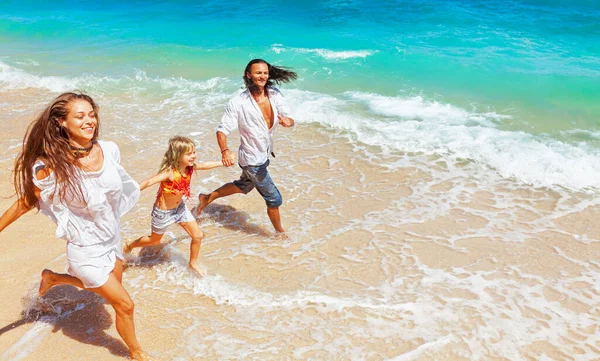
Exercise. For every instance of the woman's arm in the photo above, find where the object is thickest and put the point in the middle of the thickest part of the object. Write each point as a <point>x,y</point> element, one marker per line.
<point>162,176</point>
<point>19,208</point>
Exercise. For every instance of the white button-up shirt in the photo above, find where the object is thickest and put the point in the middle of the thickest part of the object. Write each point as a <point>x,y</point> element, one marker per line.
<point>256,140</point>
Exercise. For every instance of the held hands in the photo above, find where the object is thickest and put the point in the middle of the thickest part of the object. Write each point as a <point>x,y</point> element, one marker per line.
<point>286,122</point>
<point>227,158</point>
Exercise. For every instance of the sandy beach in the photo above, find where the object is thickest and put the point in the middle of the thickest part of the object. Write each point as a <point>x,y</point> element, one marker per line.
<point>391,256</point>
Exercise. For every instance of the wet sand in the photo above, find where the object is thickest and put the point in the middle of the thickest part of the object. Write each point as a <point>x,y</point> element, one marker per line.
<point>390,256</point>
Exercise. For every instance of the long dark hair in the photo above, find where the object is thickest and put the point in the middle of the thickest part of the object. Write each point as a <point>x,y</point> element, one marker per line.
<point>46,140</point>
<point>277,75</point>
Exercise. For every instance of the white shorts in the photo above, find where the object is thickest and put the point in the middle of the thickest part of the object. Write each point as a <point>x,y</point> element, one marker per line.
<point>93,264</point>
<point>163,218</point>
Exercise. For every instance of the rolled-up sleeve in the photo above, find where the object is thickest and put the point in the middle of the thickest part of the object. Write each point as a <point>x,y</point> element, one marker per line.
<point>282,107</point>
<point>229,121</point>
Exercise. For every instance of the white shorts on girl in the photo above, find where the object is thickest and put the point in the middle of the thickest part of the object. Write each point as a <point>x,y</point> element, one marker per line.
<point>163,218</point>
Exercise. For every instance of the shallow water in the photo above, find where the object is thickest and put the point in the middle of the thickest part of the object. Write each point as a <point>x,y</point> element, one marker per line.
<point>440,185</point>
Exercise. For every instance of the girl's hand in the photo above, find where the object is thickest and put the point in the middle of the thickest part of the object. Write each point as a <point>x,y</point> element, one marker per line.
<point>286,122</point>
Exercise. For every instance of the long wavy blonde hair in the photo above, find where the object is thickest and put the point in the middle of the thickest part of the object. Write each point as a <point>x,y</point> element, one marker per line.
<point>178,146</point>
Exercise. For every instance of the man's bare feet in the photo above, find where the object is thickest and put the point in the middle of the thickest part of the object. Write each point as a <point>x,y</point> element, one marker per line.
<point>47,281</point>
<point>280,236</point>
<point>194,266</point>
<point>202,203</point>
<point>141,356</point>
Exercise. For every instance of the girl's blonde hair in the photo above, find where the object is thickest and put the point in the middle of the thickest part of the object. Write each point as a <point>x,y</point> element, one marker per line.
<point>178,146</point>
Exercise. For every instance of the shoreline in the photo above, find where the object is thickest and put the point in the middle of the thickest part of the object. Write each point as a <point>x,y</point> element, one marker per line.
<point>423,256</point>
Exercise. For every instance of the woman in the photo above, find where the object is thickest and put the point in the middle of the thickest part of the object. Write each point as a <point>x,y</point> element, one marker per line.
<point>76,180</point>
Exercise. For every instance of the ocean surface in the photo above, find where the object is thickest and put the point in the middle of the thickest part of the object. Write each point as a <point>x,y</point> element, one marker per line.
<point>512,85</point>
<point>485,110</point>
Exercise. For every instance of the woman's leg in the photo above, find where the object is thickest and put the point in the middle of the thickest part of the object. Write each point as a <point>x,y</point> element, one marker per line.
<point>118,270</point>
<point>194,231</point>
<point>114,293</point>
<point>51,279</point>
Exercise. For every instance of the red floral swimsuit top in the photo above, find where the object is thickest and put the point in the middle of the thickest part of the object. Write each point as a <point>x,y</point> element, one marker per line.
<point>179,185</point>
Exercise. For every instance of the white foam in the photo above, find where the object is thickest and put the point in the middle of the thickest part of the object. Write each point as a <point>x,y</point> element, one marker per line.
<point>13,78</point>
<point>419,351</point>
<point>417,125</point>
<point>326,53</point>
<point>411,124</point>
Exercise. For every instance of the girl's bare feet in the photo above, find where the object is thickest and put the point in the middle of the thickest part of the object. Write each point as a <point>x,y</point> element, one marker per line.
<point>194,266</point>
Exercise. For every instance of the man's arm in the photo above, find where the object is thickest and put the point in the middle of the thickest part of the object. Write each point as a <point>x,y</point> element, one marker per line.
<point>227,157</point>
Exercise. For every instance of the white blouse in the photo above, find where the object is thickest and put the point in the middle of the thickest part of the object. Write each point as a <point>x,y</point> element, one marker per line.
<point>91,228</point>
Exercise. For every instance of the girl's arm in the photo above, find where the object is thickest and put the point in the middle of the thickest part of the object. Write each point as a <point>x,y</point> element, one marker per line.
<point>163,176</point>
<point>207,165</point>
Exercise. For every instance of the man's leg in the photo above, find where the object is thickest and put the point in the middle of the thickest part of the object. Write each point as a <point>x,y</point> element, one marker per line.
<point>267,189</point>
<point>273,213</point>
<point>223,191</point>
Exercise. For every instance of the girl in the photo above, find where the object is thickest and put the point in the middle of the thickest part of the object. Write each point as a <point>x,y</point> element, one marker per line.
<point>77,181</point>
<point>175,175</point>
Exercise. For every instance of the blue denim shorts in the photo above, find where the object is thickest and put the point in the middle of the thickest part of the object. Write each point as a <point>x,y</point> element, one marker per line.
<point>163,218</point>
<point>257,176</point>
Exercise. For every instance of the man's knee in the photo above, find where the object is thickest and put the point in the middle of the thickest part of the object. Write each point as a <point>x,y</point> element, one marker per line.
<point>274,200</point>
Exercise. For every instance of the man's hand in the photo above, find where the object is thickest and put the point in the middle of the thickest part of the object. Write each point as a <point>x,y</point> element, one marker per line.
<point>228,158</point>
<point>286,122</point>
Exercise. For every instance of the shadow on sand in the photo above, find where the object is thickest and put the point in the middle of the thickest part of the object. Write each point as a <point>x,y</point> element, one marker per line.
<point>79,314</point>
<point>231,218</point>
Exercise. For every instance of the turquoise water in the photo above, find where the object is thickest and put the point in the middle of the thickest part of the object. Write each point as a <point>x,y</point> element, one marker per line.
<point>532,65</point>
<point>440,186</point>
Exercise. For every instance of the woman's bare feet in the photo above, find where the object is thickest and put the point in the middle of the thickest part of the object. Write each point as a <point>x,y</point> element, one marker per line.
<point>194,266</point>
<point>202,203</point>
<point>47,281</point>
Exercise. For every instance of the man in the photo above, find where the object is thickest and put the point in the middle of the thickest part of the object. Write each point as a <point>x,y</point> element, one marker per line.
<point>255,112</point>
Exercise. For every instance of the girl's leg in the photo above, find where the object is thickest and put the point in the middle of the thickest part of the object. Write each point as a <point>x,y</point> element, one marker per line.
<point>144,241</point>
<point>50,279</point>
<point>194,231</point>
<point>114,293</point>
